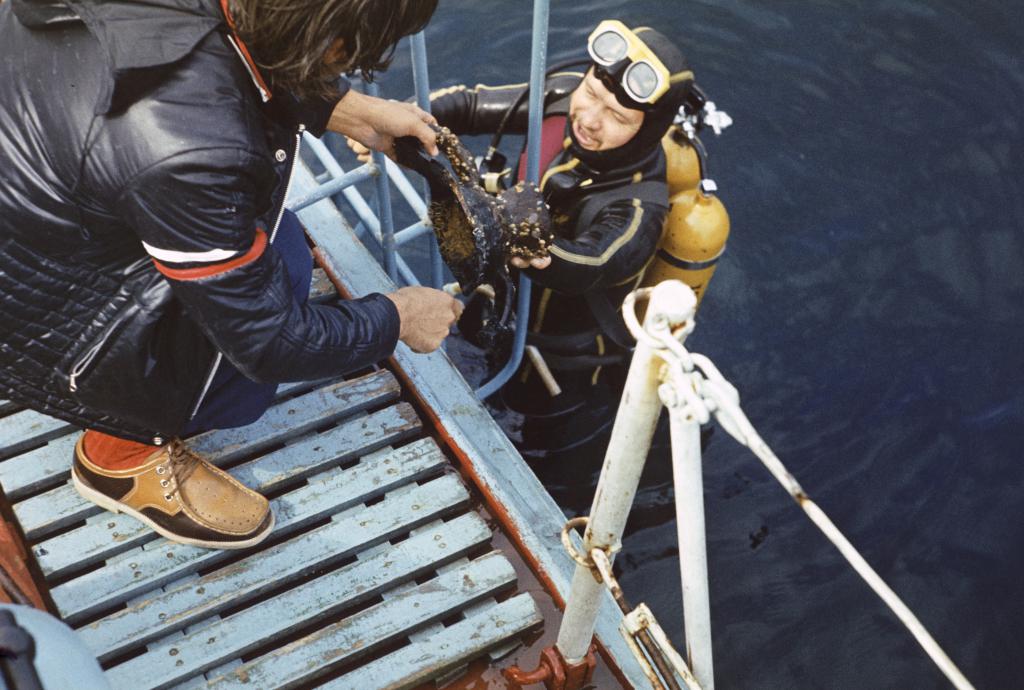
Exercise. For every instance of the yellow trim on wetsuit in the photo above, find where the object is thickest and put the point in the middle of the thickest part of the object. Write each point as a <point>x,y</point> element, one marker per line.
<point>600,351</point>
<point>557,169</point>
<point>612,248</point>
<point>542,308</point>
<point>446,91</point>
<point>485,87</point>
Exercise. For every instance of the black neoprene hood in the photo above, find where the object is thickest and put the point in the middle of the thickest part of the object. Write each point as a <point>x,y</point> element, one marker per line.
<point>656,120</point>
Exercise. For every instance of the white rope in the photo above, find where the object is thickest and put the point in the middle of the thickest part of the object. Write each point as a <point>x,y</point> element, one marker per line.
<point>696,388</point>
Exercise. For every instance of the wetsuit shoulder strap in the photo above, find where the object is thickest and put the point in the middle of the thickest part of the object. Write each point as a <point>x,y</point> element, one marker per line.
<point>609,319</point>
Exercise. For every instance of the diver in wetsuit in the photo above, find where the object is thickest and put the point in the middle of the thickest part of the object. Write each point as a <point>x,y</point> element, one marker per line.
<point>603,177</point>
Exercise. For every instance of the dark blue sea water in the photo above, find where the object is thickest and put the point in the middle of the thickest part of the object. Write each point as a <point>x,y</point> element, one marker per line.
<point>869,309</point>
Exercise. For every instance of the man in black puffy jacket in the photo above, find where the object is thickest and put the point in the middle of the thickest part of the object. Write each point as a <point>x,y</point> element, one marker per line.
<point>151,282</point>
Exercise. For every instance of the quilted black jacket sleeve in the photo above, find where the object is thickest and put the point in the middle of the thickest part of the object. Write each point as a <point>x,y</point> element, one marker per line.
<point>204,201</point>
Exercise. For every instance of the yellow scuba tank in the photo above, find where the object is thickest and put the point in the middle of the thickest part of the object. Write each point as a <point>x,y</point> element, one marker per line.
<point>697,224</point>
<point>682,165</point>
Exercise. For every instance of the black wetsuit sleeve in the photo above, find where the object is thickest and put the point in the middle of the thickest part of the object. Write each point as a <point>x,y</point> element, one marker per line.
<point>480,110</point>
<point>614,249</point>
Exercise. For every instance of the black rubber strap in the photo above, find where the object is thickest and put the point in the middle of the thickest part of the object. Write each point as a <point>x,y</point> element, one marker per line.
<point>583,362</point>
<point>568,344</point>
<point>688,265</point>
<point>609,319</point>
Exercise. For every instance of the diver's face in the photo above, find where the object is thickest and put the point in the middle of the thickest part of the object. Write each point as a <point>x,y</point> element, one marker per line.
<point>599,121</point>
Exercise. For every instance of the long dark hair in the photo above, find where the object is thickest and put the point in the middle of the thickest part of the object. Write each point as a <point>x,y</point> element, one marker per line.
<point>290,38</point>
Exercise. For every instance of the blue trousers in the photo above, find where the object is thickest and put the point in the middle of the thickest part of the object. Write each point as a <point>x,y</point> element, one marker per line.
<point>233,400</point>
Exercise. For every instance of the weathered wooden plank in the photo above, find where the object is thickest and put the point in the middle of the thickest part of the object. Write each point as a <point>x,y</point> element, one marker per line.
<point>52,510</point>
<point>430,658</point>
<point>295,387</point>
<point>38,468</point>
<point>343,588</point>
<point>55,509</point>
<point>301,414</point>
<point>108,534</point>
<point>427,630</point>
<point>348,639</point>
<point>28,428</point>
<point>165,612</point>
<point>50,465</point>
<point>333,492</point>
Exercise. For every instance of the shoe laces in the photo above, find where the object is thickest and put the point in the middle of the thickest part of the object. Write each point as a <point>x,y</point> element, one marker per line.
<point>182,462</point>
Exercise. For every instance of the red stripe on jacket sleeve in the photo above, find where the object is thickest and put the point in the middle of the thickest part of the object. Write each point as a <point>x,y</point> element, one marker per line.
<point>245,51</point>
<point>258,246</point>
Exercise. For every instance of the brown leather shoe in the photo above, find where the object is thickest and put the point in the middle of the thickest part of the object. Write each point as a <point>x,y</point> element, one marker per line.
<point>181,496</point>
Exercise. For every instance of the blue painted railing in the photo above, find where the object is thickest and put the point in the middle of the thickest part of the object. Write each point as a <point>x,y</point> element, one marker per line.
<point>385,173</point>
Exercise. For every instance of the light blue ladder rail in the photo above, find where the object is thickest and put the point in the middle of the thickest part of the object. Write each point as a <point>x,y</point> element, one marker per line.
<point>335,180</point>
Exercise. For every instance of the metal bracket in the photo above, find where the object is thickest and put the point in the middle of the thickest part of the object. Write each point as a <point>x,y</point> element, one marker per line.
<point>583,559</point>
<point>646,638</point>
<point>555,672</point>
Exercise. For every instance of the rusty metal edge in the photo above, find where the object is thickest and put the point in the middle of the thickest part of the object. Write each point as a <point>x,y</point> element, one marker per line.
<point>18,584</point>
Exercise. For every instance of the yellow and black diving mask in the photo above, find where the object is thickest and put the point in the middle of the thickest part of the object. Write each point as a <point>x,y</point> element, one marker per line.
<point>626,65</point>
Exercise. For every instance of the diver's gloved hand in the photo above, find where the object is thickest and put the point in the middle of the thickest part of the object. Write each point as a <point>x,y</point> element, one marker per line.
<point>526,225</point>
<point>538,262</point>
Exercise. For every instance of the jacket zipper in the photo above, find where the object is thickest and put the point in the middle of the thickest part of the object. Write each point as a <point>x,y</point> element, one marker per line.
<point>85,360</point>
<point>288,183</point>
<point>273,234</point>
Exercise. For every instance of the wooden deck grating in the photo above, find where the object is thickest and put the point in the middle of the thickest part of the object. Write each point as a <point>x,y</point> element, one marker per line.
<point>378,574</point>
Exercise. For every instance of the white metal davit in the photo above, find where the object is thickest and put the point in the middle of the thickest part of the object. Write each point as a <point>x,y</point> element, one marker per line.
<point>663,371</point>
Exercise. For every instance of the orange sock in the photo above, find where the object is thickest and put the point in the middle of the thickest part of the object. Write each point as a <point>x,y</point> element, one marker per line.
<point>113,453</point>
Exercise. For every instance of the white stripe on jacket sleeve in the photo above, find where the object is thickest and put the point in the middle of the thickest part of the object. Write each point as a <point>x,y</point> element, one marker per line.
<point>176,257</point>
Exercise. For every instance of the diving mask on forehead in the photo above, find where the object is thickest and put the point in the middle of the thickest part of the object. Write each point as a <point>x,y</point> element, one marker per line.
<point>624,63</point>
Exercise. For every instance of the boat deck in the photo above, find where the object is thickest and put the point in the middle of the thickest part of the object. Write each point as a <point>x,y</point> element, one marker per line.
<point>378,573</point>
<point>381,571</point>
